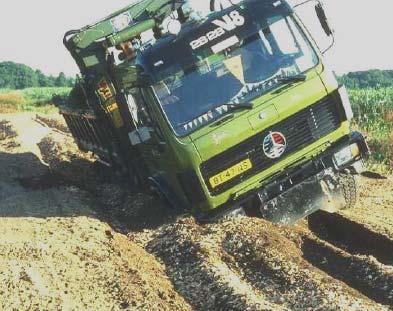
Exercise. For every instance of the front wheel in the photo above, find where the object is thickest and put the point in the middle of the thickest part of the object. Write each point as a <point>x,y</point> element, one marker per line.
<point>348,187</point>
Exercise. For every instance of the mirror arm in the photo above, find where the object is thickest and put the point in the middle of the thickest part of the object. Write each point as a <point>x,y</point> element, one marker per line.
<point>302,3</point>
<point>332,32</point>
<point>331,45</point>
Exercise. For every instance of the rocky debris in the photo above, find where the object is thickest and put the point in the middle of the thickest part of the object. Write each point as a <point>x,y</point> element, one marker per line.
<point>196,268</point>
<point>115,197</point>
<point>7,135</point>
<point>56,123</point>
<point>246,256</point>
<point>6,131</point>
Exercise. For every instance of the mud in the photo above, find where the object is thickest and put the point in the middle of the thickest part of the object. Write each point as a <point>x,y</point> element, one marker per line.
<point>75,237</point>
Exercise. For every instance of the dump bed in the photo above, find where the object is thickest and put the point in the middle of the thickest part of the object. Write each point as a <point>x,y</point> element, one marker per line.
<point>90,132</point>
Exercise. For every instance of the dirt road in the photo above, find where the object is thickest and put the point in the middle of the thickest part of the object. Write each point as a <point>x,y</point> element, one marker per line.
<point>72,239</point>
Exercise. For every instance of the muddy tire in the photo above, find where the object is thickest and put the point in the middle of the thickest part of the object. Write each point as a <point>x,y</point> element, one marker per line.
<point>158,194</point>
<point>347,184</point>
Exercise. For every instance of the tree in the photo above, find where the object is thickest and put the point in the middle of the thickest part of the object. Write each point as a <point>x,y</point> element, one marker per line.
<point>368,79</point>
<point>43,80</point>
<point>19,76</point>
<point>61,80</point>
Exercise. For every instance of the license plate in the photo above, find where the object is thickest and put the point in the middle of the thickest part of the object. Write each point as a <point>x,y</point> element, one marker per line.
<point>230,173</point>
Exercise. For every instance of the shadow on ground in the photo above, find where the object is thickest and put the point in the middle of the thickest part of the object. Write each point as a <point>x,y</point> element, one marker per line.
<point>78,187</point>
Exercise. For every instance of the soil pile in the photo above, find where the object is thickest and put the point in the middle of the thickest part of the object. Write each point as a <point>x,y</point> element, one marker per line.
<point>72,237</point>
<point>56,253</point>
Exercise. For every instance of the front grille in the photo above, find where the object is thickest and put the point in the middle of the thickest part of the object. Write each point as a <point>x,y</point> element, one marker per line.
<point>301,129</point>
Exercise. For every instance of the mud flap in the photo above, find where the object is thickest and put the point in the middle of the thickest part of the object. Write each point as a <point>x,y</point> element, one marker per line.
<point>302,200</point>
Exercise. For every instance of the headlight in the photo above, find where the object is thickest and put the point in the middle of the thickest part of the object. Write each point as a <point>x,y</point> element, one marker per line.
<point>346,155</point>
<point>121,21</point>
<point>345,101</point>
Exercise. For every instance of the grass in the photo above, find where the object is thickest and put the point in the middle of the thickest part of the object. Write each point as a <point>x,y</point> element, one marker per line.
<point>11,102</point>
<point>4,91</point>
<point>373,110</point>
<point>31,99</point>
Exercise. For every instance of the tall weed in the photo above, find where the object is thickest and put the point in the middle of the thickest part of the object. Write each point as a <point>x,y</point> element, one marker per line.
<point>31,99</point>
<point>11,102</point>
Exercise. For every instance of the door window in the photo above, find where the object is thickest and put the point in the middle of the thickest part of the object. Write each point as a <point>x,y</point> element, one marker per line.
<point>141,114</point>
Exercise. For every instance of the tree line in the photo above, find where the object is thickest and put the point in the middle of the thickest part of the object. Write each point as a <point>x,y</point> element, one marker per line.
<point>368,79</point>
<point>19,76</point>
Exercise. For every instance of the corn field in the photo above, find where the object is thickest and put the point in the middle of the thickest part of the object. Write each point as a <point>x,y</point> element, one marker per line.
<point>373,109</point>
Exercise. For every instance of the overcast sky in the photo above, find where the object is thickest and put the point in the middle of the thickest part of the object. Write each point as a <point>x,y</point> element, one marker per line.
<point>31,32</point>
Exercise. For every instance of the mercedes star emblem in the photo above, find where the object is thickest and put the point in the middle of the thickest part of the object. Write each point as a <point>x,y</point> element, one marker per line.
<point>274,145</point>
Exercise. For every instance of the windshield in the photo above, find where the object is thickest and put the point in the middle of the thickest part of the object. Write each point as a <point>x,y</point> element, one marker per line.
<point>202,85</point>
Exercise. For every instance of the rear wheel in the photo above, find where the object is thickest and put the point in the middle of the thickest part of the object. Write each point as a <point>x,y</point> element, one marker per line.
<point>158,193</point>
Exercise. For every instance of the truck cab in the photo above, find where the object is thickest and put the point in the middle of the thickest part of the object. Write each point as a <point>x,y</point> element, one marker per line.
<point>232,111</point>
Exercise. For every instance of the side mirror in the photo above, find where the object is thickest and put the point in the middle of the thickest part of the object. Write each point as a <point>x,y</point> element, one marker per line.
<point>313,17</point>
<point>323,19</point>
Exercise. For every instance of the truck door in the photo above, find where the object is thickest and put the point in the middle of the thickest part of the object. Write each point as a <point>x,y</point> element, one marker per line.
<point>148,137</point>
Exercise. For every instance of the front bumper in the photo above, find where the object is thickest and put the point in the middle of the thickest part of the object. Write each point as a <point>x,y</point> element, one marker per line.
<point>296,193</point>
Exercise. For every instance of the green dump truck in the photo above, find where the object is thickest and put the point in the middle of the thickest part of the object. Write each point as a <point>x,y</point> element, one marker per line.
<point>221,107</point>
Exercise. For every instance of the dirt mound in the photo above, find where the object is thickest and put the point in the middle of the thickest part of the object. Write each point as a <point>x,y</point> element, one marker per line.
<point>75,237</point>
<point>78,264</point>
<point>56,253</point>
<point>251,264</point>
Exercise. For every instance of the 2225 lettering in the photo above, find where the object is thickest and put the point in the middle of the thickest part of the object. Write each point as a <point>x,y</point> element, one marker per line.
<point>228,23</point>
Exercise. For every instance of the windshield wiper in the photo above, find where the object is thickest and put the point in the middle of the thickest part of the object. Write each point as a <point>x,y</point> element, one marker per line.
<point>236,106</point>
<point>230,107</point>
<point>293,79</point>
<point>267,85</point>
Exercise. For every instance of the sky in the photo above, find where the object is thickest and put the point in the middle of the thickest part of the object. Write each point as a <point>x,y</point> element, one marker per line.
<point>32,31</point>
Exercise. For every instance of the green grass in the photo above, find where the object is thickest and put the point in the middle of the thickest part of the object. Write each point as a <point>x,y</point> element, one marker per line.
<point>4,91</point>
<point>31,99</point>
<point>373,110</point>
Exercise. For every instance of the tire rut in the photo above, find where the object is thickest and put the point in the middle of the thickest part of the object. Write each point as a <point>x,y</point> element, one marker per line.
<point>364,274</point>
<point>274,262</point>
<point>351,236</point>
<point>251,264</point>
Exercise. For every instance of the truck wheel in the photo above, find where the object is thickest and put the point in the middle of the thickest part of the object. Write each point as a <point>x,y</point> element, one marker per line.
<point>155,190</point>
<point>347,184</point>
<point>252,208</point>
<point>136,181</point>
